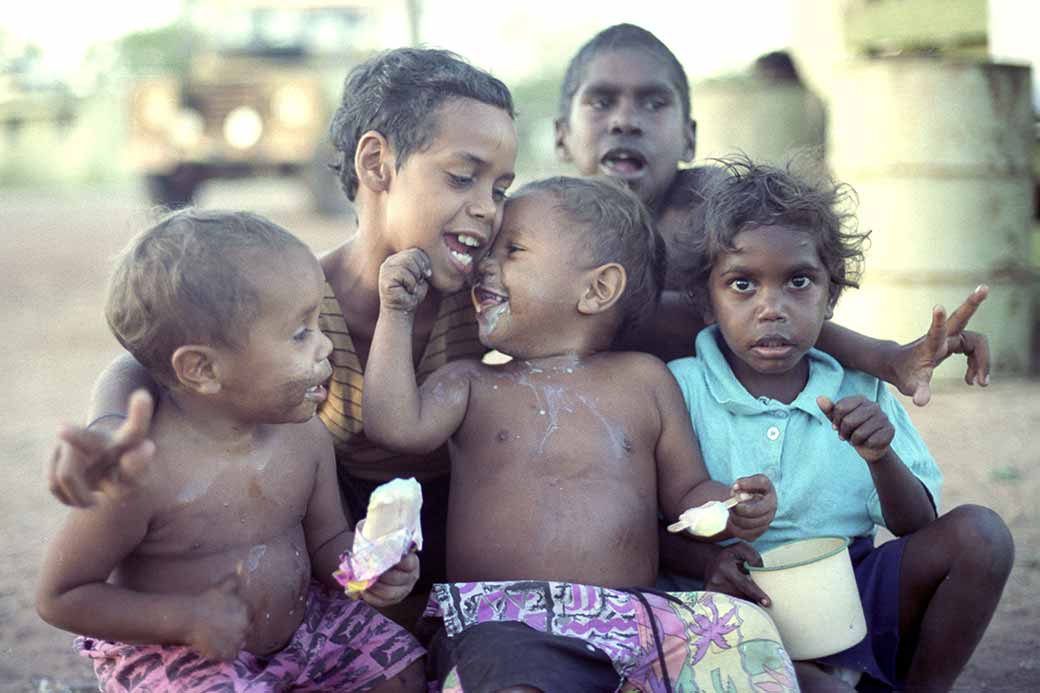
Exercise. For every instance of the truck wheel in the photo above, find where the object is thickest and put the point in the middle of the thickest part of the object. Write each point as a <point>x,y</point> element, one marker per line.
<point>173,190</point>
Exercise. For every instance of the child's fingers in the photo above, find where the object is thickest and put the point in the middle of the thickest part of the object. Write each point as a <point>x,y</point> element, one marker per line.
<point>923,391</point>
<point>958,320</point>
<point>935,339</point>
<point>853,419</point>
<point>870,428</point>
<point>755,484</point>
<point>134,462</point>
<point>825,404</point>
<point>138,419</point>
<point>976,346</point>
<point>55,487</point>
<point>69,471</point>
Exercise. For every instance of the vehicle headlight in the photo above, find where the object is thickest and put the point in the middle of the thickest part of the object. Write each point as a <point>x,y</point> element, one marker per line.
<point>243,127</point>
<point>156,106</point>
<point>292,106</point>
<point>187,129</point>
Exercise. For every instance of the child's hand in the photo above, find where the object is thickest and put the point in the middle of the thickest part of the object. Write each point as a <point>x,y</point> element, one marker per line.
<point>404,280</point>
<point>862,423</point>
<point>726,573</point>
<point>91,461</point>
<point>913,366</point>
<point>219,631</point>
<point>395,584</point>
<point>749,519</point>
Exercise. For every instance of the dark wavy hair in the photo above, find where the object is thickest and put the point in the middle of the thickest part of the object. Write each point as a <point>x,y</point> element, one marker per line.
<point>744,195</point>
<point>617,37</point>
<point>616,227</point>
<point>397,93</point>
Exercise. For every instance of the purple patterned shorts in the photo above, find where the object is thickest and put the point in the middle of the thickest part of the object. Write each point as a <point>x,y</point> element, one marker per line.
<point>342,644</point>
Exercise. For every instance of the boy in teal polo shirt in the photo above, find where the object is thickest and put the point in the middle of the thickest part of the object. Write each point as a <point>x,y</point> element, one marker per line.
<point>840,449</point>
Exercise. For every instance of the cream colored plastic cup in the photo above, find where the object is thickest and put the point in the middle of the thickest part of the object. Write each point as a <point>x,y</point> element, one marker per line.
<point>816,605</point>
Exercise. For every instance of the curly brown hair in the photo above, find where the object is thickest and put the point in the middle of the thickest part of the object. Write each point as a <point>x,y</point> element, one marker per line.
<point>744,195</point>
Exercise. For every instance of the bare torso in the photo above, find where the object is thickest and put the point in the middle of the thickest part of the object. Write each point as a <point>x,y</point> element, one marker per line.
<point>553,474</point>
<point>215,515</point>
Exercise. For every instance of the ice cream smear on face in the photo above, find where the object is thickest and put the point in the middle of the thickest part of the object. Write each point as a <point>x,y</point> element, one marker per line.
<point>390,529</point>
<point>708,519</point>
<point>490,307</point>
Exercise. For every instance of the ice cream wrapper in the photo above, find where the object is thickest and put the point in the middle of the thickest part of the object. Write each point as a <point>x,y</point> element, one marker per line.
<point>390,529</point>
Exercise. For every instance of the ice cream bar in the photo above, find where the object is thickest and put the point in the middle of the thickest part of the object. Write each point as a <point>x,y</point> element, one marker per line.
<point>392,506</point>
<point>708,519</point>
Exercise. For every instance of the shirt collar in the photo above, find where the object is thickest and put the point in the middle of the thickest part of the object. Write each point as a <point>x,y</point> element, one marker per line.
<point>825,377</point>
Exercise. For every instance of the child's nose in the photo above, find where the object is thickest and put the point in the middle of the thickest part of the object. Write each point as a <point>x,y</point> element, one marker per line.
<point>482,206</point>
<point>771,306</point>
<point>625,119</point>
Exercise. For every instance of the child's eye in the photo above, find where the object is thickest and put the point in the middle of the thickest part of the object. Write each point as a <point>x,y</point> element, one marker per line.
<point>302,334</point>
<point>655,104</point>
<point>498,194</point>
<point>599,103</point>
<point>460,180</point>
<point>512,248</point>
<point>742,285</point>
<point>801,282</point>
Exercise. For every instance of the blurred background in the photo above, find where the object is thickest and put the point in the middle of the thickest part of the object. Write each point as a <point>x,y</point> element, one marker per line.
<point>927,107</point>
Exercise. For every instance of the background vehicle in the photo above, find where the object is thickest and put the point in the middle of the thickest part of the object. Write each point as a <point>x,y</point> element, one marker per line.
<point>263,80</point>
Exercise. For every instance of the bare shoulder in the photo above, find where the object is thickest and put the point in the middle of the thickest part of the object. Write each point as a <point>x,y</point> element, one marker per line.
<point>638,366</point>
<point>309,440</point>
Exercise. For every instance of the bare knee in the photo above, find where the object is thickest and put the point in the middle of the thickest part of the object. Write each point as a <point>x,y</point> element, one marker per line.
<point>982,538</point>
<point>411,680</point>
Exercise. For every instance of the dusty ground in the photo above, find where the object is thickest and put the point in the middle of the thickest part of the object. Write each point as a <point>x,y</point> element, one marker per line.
<point>54,264</point>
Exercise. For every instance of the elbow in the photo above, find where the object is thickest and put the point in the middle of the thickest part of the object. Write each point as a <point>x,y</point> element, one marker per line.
<point>398,440</point>
<point>48,607</point>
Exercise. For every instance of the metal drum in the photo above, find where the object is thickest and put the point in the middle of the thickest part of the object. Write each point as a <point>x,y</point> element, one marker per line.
<point>763,119</point>
<point>939,153</point>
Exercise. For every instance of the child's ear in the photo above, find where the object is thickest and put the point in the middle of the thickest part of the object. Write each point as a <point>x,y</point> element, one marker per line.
<point>605,286</point>
<point>197,368</point>
<point>373,161</point>
<point>691,140</point>
<point>562,153</point>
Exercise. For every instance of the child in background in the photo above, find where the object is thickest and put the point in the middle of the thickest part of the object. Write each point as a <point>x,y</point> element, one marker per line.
<point>428,150</point>
<point>200,576</point>
<point>560,461</point>
<point>625,112</point>
<point>775,253</point>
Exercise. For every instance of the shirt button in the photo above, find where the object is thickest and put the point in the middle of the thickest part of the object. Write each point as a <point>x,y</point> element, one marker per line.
<point>773,433</point>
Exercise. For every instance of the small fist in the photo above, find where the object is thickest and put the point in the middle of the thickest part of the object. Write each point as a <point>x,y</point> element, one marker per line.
<point>749,519</point>
<point>861,422</point>
<point>404,280</point>
<point>223,621</point>
<point>395,584</point>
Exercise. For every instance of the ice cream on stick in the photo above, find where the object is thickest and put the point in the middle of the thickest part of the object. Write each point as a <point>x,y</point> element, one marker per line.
<point>708,519</point>
<point>392,506</point>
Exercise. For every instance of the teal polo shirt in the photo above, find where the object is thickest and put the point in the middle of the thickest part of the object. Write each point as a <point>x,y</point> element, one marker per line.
<point>823,486</point>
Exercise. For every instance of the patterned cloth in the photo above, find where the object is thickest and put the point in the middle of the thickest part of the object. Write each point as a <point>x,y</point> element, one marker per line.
<point>342,644</point>
<point>453,337</point>
<point>707,641</point>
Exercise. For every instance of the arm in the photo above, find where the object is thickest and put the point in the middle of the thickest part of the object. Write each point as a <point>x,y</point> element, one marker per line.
<point>683,479</point>
<point>721,567</point>
<point>114,386</point>
<point>397,413</point>
<point>329,535</point>
<point>74,594</point>
<point>905,503</point>
<point>909,367</point>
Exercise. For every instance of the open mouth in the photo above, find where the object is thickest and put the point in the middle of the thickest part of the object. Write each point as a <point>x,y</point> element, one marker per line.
<point>485,299</point>
<point>463,248</point>
<point>316,393</point>
<point>772,346</point>
<point>624,162</point>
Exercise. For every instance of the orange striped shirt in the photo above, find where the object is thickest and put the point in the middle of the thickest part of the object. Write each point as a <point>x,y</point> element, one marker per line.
<point>453,337</point>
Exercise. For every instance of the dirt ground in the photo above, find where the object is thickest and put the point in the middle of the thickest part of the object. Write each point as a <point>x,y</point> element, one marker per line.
<point>55,262</point>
